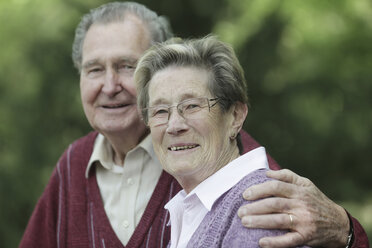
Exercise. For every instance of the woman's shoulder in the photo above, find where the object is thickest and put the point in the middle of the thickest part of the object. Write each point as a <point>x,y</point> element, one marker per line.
<point>253,178</point>
<point>236,234</point>
<point>222,224</point>
<point>233,199</point>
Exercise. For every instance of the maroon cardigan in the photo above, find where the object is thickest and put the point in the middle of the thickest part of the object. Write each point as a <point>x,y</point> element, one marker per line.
<point>70,212</point>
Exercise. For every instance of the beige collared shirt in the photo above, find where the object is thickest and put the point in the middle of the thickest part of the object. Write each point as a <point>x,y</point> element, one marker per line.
<point>125,190</point>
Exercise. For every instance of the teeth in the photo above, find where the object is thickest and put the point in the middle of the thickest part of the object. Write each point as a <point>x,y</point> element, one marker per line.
<point>116,106</point>
<point>177,148</point>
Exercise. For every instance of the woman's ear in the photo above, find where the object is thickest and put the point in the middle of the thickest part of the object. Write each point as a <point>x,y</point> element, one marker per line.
<point>240,112</point>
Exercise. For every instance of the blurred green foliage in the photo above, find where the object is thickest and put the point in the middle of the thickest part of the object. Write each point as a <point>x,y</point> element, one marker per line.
<point>308,65</point>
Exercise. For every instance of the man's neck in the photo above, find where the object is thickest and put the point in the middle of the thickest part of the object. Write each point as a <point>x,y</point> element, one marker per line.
<point>122,144</point>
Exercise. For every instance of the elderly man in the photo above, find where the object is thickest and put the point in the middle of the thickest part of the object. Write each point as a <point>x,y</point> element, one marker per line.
<point>108,188</point>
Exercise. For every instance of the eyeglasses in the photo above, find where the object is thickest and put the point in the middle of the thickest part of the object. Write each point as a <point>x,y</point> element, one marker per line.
<point>188,109</point>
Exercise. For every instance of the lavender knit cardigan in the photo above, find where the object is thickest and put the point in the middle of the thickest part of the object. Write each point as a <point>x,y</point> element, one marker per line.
<point>221,227</point>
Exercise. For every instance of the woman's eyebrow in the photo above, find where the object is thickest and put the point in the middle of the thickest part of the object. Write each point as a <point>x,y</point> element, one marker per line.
<point>164,101</point>
<point>160,101</point>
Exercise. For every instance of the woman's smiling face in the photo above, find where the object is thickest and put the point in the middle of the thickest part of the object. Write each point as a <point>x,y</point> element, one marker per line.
<point>189,149</point>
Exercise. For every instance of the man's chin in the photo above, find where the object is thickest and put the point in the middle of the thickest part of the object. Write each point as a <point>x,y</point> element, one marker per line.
<point>122,129</point>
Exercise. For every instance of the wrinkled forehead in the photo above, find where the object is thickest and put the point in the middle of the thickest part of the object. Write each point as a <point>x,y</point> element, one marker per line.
<point>129,37</point>
<point>177,83</point>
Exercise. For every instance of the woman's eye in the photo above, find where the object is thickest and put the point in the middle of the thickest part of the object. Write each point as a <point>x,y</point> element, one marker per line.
<point>161,111</point>
<point>192,106</point>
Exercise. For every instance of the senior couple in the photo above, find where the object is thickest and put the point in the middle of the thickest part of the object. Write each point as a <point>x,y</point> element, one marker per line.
<point>108,188</point>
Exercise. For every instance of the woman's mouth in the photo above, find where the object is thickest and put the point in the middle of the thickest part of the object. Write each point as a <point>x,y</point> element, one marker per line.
<point>181,148</point>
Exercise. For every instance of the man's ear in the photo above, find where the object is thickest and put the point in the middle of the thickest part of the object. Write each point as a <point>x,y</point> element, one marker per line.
<point>240,112</point>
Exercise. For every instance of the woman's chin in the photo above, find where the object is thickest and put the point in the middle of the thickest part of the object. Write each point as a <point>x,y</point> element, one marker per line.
<point>183,170</point>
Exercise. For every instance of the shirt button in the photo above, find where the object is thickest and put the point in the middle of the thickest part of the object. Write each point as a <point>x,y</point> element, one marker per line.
<point>125,223</point>
<point>130,181</point>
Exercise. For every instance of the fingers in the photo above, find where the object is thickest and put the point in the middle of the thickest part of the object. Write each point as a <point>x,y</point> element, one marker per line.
<point>267,206</point>
<point>291,239</point>
<point>269,188</point>
<point>314,217</point>
<point>294,203</point>
<point>285,185</point>
<point>273,221</point>
<point>288,176</point>
<point>276,221</point>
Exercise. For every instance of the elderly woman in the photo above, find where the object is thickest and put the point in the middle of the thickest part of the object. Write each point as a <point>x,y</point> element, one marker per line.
<point>193,98</point>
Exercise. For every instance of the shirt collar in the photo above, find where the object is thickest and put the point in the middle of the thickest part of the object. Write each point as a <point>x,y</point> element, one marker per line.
<point>103,153</point>
<point>211,188</point>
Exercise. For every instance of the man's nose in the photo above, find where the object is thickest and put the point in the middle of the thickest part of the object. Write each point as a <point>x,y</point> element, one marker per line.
<point>112,83</point>
<point>176,123</point>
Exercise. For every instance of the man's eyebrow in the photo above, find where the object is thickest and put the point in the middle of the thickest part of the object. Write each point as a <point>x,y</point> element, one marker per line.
<point>126,59</point>
<point>90,63</point>
<point>123,59</point>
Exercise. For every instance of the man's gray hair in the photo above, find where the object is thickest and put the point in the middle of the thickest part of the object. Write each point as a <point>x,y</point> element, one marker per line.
<point>227,80</point>
<point>158,26</point>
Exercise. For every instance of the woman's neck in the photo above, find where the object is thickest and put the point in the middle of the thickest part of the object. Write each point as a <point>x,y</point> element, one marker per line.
<point>189,182</point>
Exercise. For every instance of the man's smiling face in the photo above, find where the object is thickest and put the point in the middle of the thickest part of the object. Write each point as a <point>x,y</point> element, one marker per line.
<point>110,55</point>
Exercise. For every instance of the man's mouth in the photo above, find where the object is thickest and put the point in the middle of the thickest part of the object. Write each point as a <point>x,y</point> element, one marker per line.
<point>114,106</point>
<point>180,148</point>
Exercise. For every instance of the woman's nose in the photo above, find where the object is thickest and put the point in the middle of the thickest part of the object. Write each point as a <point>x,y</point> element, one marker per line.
<point>176,123</point>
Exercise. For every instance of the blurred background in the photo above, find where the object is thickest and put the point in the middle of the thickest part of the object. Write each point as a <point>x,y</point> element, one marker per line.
<point>309,70</point>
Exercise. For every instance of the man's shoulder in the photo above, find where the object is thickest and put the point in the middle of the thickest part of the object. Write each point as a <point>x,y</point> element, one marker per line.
<point>249,144</point>
<point>78,152</point>
<point>88,139</point>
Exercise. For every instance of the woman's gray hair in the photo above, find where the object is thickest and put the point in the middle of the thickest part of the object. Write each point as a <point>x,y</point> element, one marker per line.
<point>158,26</point>
<point>227,77</point>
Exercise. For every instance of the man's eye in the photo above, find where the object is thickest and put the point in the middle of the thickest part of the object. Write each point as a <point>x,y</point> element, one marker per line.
<point>94,70</point>
<point>126,67</point>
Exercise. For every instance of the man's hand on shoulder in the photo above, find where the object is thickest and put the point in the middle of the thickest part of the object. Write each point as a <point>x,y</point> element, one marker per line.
<point>294,203</point>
